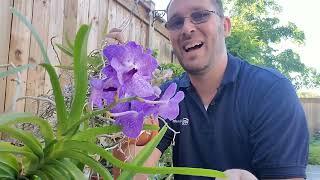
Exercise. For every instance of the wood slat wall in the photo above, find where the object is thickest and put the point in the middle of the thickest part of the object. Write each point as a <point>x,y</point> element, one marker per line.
<point>312,109</point>
<point>59,19</point>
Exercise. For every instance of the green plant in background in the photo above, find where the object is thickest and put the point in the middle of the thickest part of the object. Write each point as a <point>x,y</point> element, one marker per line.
<point>62,153</point>
<point>314,154</point>
<point>258,35</point>
<point>176,68</point>
<point>314,150</point>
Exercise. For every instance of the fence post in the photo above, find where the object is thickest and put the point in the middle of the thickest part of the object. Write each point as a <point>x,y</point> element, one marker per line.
<point>150,26</point>
<point>6,16</point>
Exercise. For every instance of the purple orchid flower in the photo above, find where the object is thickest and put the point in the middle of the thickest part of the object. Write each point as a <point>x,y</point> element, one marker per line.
<point>101,90</point>
<point>133,67</point>
<point>169,107</point>
<point>128,74</point>
<point>131,124</point>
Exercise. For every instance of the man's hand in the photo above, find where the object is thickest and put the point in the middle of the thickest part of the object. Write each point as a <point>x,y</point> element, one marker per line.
<point>238,174</point>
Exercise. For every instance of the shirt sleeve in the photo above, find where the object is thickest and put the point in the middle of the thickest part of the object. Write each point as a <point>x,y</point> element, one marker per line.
<point>279,135</point>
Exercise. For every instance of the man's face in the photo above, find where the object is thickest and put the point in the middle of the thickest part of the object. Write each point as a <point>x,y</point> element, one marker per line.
<point>197,45</point>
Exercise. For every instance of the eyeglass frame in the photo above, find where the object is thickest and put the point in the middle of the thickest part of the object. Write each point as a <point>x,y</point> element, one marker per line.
<point>191,19</point>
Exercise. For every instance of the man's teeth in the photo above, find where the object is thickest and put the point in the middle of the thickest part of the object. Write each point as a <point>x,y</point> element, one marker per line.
<point>191,46</point>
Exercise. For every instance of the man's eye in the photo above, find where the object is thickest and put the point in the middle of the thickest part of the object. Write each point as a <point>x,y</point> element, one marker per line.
<point>177,22</point>
<point>199,15</point>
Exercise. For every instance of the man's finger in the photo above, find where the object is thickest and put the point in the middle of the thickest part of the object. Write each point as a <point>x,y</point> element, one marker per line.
<point>115,34</point>
<point>238,174</point>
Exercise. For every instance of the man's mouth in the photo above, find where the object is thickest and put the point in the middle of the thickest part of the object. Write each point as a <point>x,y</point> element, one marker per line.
<point>193,46</point>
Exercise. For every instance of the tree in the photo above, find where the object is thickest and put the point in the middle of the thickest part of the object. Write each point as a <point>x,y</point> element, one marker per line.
<point>256,34</point>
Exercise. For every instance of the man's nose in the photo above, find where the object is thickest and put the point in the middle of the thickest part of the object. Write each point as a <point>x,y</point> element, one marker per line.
<point>188,27</point>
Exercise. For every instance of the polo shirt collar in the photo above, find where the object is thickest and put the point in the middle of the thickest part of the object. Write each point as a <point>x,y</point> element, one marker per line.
<point>230,74</point>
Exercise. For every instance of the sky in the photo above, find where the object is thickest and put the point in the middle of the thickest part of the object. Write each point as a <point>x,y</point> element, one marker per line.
<point>306,15</point>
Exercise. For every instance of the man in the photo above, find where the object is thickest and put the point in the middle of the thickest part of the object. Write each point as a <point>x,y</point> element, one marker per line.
<point>236,117</point>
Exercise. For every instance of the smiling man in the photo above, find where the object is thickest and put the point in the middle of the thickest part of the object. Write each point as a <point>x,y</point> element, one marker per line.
<point>236,117</point>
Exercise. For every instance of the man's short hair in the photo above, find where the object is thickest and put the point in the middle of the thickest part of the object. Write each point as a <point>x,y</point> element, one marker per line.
<point>217,3</point>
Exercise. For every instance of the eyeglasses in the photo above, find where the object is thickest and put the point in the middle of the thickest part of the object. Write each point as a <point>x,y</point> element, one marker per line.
<point>196,17</point>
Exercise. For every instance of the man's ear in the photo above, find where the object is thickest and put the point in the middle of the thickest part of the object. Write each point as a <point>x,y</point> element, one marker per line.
<point>227,26</point>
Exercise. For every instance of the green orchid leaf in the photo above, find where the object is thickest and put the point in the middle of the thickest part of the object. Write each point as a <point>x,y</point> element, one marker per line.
<point>59,100</point>
<point>27,138</point>
<point>41,175</point>
<point>5,173</point>
<point>69,68</point>
<point>59,163</point>
<point>11,161</point>
<point>14,118</point>
<point>75,172</point>
<point>49,148</point>
<point>65,50</point>
<point>15,70</point>
<point>69,42</point>
<point>6,147</point>
<point>50,175</point>
<point>91,133</point>
<point>94,149</point>
<point>8,170</point>
<point>61,169</point>
<point>144,154</point>
<point>52,172</point>
<point>80,74</point>
<point>151,127</point>
<point>24,20</point>
<point>84,158</point>
<point>2,176</point>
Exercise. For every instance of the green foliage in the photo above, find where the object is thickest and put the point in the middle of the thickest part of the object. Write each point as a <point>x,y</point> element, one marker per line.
<point>314,150</point>
<point>155,53</point>
<point>257,33</point>
<point>165,160</point>
<point>176,69</point>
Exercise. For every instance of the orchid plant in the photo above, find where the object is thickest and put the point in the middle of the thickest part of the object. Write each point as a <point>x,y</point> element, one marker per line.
<point>123,91</point>
<point>127,75</point>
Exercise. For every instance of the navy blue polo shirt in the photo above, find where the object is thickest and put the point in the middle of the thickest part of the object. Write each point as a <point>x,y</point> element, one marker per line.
<point>255,122</point>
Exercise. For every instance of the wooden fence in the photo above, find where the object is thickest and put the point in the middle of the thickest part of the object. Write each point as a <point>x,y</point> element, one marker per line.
<point>59,19</point>
<point>312,109</point>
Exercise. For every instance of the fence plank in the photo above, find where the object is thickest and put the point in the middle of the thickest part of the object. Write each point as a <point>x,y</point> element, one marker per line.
<point>6,16</point>
<point>18,54</point>
<point>55,31</point>
<point>94,21</point>
<point>36,76</point>
<point>112,14</point>
<point>103,27</point>
<point>83,12</point>
<point>69,31</point>
<point>311,108</point>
